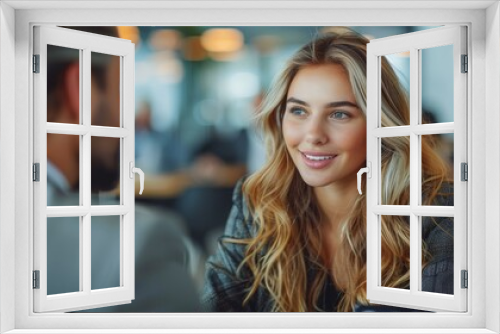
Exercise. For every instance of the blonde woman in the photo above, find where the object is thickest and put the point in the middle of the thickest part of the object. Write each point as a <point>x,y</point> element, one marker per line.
<point>296,237</point>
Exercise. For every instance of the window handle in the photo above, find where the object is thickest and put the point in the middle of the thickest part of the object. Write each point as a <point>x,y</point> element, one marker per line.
<point>134,170</point>
<point>368,171</point>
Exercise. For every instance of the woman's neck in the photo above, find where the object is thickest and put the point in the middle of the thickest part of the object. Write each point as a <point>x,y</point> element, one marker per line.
<point>335,201</point>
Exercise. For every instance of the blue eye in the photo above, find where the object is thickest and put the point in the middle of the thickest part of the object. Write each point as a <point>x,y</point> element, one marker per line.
<point>297,111</point>
<point>340,115</point>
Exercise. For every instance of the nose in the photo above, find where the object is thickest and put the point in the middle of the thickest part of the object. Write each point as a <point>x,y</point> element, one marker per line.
<point>316,132</point>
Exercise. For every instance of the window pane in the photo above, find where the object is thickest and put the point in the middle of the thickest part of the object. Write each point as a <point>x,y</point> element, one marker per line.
<point>437,254</point>
<point>105,90</point>
<point>395,251</point>
<point>63,255</point>
<point>437,169</point>
<point>105,252</point>
<point>63,170</point>
<point>437,84</point>
<point>105,170</point>
<point>395,170</point>
<point>400,63</point>
<point>63,85</point>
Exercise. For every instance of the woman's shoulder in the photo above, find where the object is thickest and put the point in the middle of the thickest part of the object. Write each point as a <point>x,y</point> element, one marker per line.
<point>445,195</point>
<point>240,222</point>
<point>438,232</point>
<point>438,236</point>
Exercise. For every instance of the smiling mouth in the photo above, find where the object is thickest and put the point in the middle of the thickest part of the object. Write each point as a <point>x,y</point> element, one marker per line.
<point>318,161</point>
<point>319,158</point>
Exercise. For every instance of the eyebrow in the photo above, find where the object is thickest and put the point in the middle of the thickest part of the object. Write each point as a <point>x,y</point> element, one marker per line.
<point>330,105</point>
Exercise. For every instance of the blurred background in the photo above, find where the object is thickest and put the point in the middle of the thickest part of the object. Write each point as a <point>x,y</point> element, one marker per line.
<point>196,91</point>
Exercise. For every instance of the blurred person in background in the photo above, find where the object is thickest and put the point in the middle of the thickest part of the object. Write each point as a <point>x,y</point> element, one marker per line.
<point>166,261</point>
<point>164,157</point>
<point>197,182</point>
<point>296,237</point>
<point>216,166</point>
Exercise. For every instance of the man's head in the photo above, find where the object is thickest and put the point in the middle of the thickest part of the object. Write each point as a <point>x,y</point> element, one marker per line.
<point>63,106</point>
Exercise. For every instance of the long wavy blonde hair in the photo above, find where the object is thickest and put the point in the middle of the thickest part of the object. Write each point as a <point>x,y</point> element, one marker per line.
<point>285,211</point>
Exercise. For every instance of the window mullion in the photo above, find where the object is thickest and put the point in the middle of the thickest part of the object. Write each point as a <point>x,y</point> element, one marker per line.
<point>433,128</point>
<point>406,210</point>
<point>422,129</point>
<point>67,129</point>
<point>85,165</point>
<point>414,168</point>
<point>127,251</point>
<point>108,210</point>
<point>82,232</point>
<point>102,131</point>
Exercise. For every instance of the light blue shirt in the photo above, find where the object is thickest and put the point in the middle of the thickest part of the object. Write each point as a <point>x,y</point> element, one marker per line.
<point>58,187</point>
<point>63,241</point>
<point>164,254</point>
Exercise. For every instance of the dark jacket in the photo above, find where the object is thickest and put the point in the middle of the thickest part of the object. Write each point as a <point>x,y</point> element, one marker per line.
<point>225,291</point>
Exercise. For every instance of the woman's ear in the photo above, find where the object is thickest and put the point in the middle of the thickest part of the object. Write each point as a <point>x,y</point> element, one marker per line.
<point>71,87</point>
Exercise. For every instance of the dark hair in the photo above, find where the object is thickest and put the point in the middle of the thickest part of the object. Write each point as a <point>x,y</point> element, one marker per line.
<point>58,60</point>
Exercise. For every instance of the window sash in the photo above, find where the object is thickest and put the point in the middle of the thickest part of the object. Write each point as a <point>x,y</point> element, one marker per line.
<point>86,297</point>
<point>414,298</point>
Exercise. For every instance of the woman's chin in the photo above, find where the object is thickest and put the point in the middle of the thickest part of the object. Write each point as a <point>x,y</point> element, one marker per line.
<point>317,182</point>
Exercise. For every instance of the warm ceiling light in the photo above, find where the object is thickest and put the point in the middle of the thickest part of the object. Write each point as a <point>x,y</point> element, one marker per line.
<point>165,39</point>
<point>220,40</point>
<point>130,33</point>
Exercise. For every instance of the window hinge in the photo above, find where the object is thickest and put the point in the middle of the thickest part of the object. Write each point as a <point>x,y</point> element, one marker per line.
<point>36,172</point>
<point>36,63</point>
<point>36,279</point>
<point>465,279</point>
<point>465,171</point>
<point>465,64</point>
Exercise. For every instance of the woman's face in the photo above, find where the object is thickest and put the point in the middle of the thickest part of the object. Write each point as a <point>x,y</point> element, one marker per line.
<point>323,129</point>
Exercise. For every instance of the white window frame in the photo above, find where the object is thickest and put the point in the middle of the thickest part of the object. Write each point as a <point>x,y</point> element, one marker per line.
<point>16,21</point>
